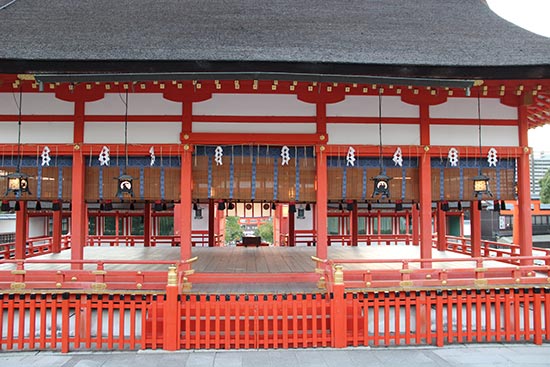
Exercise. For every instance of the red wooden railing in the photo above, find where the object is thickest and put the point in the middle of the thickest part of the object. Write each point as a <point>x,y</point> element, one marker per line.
<point>442,272</point>
<point>36,246</point>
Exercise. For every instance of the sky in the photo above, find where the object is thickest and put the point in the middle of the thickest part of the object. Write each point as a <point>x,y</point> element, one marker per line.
<point>532,15</point>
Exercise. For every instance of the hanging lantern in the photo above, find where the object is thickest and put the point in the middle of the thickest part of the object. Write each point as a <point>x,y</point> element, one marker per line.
<point>125,186</point>
<point>481,186</point>
<point>301,213</point>
<point>18,183</point>
<point>381,186</point>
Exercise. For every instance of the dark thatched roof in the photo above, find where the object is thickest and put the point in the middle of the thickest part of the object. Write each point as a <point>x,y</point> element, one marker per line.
<point>411,38</point>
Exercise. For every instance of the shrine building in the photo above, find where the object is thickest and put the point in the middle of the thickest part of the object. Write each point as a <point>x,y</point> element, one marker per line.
<point>346,143</point>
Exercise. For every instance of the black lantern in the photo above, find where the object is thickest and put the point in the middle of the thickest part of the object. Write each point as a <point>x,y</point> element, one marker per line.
<point>381,186</point>
<point>125,186</point>
<point>301,213</point>
<point>198,212</point>
<point>308,207</point>
<point>481,186</point>
<point>18,183</point>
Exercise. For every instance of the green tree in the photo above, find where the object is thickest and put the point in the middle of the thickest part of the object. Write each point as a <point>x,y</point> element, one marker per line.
<point>545,188</point>
<point>265,231</point>
<point>233,230</point>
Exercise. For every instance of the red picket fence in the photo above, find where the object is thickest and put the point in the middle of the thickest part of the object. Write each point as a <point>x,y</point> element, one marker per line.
<point>255,321</point>
<point>76,321</point>
<point>448,317</point>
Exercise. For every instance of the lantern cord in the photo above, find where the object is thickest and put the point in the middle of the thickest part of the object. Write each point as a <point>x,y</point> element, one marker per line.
<point>126,132</point>
<point>380,127</point>
<point>479,127</point>
<point>19,158</point>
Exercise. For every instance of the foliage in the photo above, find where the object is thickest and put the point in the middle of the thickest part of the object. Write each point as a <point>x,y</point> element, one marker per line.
<point>545,188</point>
<point>233,231</point>
<point>265,230</point>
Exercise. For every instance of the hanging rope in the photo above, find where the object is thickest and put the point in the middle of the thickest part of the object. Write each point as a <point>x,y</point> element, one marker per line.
<point>380,127</point>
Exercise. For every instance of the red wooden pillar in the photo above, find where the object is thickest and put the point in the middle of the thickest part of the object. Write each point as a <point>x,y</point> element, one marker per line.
<point>21,231</point>
<point>291,229</point>
<point>475,234</point>
<point>524,191</point>
<point>415,216</point>
<point>57,219</point>
<point>78,211</point>
<point>441,230</point>
<point>186,202</point>
<point>515,224</point>
<point>353,224</point>
<point>322,204</point>
<point>425,172</point>
<point>211,219</point>
<point>147,224</point>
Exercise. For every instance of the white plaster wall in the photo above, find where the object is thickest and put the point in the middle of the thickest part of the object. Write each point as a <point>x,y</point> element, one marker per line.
<point>7,225</point>
<point>490,108</point>
<point>468,135</point>
<point>200,224</point>
<point>254,105</point>
<point>304,224</point>
<point>138,104</point>
<point>367,134</point>
<point>37,132</point>
<point>253,127</point>
<point>35,104</point>
<point>37,226</point>
<point>138,132</point>
<point>367,106</point>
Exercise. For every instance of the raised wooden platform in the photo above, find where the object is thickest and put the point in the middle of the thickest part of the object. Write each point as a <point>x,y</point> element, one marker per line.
<point>263,269</point>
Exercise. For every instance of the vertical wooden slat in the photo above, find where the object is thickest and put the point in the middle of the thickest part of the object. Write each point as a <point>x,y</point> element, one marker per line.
<point>21,324</point>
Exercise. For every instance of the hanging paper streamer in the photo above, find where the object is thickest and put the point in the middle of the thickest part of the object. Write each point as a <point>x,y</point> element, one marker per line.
<point>453,157</point>
<point>398,157</point>
<point>218,154</point>
<point>152,152</point>
<point>46,156</point>
<point>285,155</point>
<point>492,157</point>
<point>351,157</point>
<point>104,157</point>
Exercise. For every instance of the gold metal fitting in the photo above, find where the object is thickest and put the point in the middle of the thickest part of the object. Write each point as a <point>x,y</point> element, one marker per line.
<point>338,274</point>
<point>426,148</point>
<point>172,276</point>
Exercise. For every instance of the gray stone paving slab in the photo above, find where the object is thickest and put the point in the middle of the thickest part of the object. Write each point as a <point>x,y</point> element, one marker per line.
<point>456,355</point>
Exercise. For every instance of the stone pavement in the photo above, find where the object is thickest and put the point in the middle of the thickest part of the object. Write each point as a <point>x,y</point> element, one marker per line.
<point>472,355</point>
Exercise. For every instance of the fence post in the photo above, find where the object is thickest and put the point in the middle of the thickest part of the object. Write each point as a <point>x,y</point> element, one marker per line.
<point>171,322</point>
<point>339,309</point>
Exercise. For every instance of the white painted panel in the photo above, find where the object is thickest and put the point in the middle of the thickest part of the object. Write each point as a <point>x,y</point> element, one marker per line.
<point>7,224</point>
<point>37,132</point>
<point>35,104</point>
<point>505,136</point>
<point>367,106</point>
<point>36,227</point>
<point>469,135</point>
<point>138,132</point>
<point>392,134</point>
<point>200,224</point>
<point>466,108</point>
<point>138,104</point>
<point>254,105</point>
<point>154,132</point>
<point>47,132</point>
<point>255,128</point>
<point>454,135</point>
<point>305,224</point>
<point>104,132</point>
